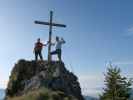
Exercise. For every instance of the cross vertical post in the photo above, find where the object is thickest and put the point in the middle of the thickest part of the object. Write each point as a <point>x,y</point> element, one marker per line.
<point>50,36</point>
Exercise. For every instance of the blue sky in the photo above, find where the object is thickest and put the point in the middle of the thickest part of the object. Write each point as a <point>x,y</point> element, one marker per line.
<point>98,31</point>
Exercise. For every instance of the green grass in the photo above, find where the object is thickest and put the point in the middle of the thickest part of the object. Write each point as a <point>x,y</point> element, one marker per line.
<point>43,94</point>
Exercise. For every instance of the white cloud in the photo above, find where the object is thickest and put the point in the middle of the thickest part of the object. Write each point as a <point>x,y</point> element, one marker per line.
<point>3,83</point>
<point>91,84</point>
<point>129,31</point>
<point>3,79</point>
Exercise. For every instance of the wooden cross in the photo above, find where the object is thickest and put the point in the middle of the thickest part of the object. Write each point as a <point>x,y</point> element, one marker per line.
<point>50,24</point>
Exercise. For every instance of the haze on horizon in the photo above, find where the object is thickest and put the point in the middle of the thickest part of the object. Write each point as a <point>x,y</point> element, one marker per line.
<point>98,31</point>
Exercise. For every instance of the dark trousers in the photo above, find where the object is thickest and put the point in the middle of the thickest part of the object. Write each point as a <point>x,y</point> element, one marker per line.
<point>38,53</point>
<point>58,52</point>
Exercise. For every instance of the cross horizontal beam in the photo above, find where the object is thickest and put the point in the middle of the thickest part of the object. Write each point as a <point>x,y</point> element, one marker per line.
<point>47,23</point>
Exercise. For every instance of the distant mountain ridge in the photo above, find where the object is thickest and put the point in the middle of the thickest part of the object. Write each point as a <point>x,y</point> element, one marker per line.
<point>2,94</point>
<point>90,98</point>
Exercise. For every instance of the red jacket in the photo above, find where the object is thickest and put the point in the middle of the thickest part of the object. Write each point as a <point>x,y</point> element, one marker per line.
<point>38,46</point>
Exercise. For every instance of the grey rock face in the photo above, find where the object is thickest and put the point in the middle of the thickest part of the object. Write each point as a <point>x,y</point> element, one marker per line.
<point>30,75</point>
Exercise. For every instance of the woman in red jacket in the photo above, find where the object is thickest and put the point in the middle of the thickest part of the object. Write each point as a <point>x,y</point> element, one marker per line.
<point>38,49</point>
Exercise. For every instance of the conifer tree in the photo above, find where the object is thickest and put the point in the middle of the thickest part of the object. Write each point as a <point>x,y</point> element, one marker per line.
<point>117,87</point>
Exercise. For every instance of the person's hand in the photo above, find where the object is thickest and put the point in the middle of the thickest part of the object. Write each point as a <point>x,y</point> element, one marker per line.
<point>48,42</point>
<point>62,39</point>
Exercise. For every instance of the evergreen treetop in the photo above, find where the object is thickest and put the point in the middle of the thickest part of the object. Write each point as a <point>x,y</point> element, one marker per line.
<point>117,87</point>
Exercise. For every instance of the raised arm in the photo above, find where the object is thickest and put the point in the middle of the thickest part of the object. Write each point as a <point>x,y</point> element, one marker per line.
<point>63,41</point>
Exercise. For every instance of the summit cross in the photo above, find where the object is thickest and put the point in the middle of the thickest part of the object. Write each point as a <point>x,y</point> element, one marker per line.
<point>50,24</point>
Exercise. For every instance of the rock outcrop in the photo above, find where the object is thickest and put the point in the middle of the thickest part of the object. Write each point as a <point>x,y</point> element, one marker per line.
<point>42,81</point>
